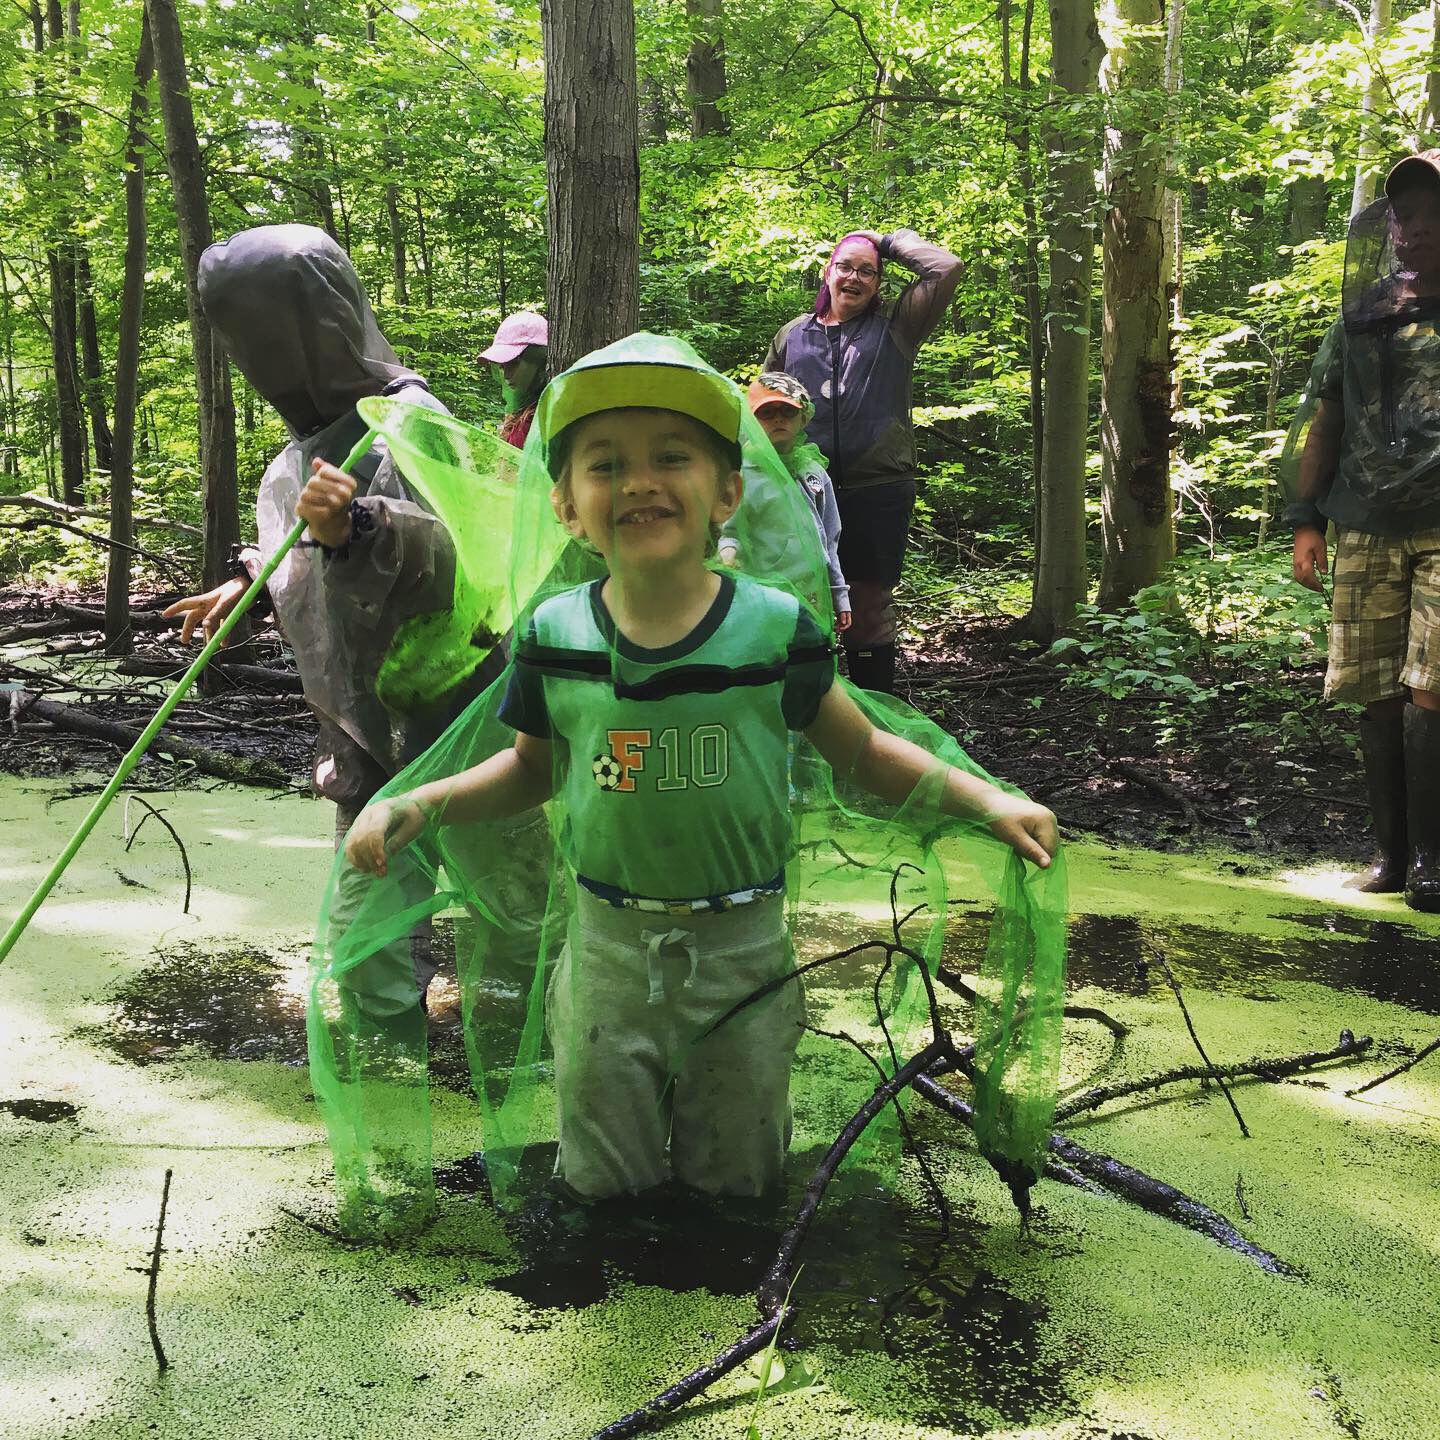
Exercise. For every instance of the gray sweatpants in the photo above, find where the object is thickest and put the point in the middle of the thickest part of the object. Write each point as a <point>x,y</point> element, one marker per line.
<point>630,996</point>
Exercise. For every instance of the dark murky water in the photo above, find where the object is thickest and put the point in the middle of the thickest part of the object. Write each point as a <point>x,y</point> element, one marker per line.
<point>47,1112</point>
<point>876,1276</point>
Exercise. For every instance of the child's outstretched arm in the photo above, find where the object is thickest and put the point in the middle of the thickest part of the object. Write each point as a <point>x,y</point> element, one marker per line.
<point>508,783</point>
<point>891,767</point>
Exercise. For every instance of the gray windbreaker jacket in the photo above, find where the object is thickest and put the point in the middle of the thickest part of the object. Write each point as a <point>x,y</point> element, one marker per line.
<point>293,316</point>
<point>860,373</point>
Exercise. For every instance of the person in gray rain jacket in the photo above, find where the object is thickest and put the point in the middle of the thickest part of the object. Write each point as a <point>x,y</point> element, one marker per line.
<point>292,314</point>
<point>856,357</point>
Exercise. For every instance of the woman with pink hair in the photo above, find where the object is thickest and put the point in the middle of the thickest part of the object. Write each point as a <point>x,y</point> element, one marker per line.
<point>855,354</point>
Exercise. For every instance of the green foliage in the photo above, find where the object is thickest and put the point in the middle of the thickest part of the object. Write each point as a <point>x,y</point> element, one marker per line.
<point>1215,644</point>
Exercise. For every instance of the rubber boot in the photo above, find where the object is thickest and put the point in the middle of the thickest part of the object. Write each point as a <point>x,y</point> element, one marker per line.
<point>1382,744</point>
<point>1422,773</point>
<point>873,668</point>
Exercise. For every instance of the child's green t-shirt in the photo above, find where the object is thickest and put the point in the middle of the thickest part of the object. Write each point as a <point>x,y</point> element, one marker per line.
<point>675,761</point>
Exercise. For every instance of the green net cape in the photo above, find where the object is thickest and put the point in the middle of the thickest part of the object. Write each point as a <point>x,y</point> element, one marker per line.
<point>851,863</point>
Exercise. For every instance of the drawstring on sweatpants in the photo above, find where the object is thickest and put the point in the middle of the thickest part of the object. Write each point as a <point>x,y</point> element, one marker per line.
<point>655,943</point>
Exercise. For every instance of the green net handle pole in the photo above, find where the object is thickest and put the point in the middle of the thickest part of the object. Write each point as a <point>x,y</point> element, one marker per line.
<point>147,736</point>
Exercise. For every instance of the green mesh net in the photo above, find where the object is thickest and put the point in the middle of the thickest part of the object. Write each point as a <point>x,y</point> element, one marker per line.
<point>667,816</point>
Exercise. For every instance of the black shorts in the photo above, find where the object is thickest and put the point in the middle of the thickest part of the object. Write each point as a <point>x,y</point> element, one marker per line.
<point>874,525</point>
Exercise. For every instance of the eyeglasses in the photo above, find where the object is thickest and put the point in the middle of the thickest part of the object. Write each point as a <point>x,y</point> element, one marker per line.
<point>844,267</point>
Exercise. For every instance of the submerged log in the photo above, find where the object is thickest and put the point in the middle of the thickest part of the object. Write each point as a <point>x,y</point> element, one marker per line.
<point>236,768</point>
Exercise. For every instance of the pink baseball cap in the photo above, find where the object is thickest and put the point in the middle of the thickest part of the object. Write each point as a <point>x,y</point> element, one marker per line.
<point>517,332</point>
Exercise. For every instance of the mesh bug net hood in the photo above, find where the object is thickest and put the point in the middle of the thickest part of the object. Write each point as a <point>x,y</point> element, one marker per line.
<point>294,317</point>
<point>688,814</point>
<point>1379,358</point>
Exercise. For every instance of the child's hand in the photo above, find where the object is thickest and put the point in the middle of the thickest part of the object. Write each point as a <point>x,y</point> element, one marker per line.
<point>324,504</point>
<point>380,830</point>
<point>1027,828</point>
<point>208,611</point>
<point>842,622</point>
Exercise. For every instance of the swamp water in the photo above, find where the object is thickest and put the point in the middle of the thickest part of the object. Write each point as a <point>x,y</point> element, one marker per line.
<point>133,1039</point>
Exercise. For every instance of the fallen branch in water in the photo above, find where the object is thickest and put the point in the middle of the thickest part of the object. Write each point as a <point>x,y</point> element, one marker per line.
<point>1410,1064</point>
<point>1190,1026</point>
<point>1091,1170</point>
<point>174,835</point>
<point>209,762</point>
<point>1276,1069</point>
<point>154,1271</point>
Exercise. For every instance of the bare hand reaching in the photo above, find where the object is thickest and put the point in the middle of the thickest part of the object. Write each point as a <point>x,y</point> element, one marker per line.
<point>208,611</point>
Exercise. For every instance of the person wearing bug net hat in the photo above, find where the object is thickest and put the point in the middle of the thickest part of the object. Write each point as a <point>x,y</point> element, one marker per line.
<point>369,602</point>
<point>1363,454</point>
<point>520,351</point>
<point>648,706</point>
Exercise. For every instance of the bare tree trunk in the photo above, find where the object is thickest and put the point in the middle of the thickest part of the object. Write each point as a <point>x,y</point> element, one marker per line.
<point>1072,139</point>
<point>12,420</point>
<point>1135,419</point>
<point>424,249</point>
<point>1174,210</point>
<point>593,169</point>
<point>1367,151</point>
<point>1309,199</point>
<point>1431,119</point>
<point>705,68</point>
<point>127,357</point>
<point>1020,131</point>
<point>94,365</point>
<point>397,240</point>
<point>60,262</point>
<point>501,284</point>
<point>192,214</point>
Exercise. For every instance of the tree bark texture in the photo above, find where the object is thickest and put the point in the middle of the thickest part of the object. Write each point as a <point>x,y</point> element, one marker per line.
<point>192,214</point>
<point>1135,416</point>
<point>60,263</point>
<point>1072,139</point>
<point>118,635</point>
<point>592,162</point>
<point>1430,120</point>
<point>93,362</point>
<point>705,68</point>
<point>1368,150</point>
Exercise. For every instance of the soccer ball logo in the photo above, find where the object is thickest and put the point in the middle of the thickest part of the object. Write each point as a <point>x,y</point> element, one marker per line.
<point>607,772</point>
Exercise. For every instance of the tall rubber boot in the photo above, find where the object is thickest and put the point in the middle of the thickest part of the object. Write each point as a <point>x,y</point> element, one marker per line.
<point>1382,746</point>
<point>1422,772</point>
<point>873,668</point>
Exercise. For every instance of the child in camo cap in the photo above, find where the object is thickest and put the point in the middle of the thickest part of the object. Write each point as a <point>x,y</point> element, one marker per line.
<point>783,407</point>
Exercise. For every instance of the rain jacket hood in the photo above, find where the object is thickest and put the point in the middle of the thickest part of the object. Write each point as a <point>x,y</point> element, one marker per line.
<point>293,315</point>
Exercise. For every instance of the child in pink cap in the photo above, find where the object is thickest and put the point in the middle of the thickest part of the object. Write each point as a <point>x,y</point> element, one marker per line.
<point>520,350</point>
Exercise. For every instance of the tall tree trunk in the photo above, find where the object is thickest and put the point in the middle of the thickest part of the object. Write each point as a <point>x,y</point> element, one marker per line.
<point>705,68</point>
<point>593,173</point>
<point>1309,199</point>
<point>424,249</point>
<point>392,190</point>
<point>501,284</point>
<point>94,365</point>
<point>1174,209</point>
<point>12,420</point>
<point>192,215</point>
<point>1072,139</point>
<point>127,357</point>
<point>1430,121</point>
<point>1368,149</point>
<point>1018,124</point>
<point>60,263</point>
<point>1135,419</point>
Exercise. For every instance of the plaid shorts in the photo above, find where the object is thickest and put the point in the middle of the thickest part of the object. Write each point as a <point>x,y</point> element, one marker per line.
<point>1385,623</point>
